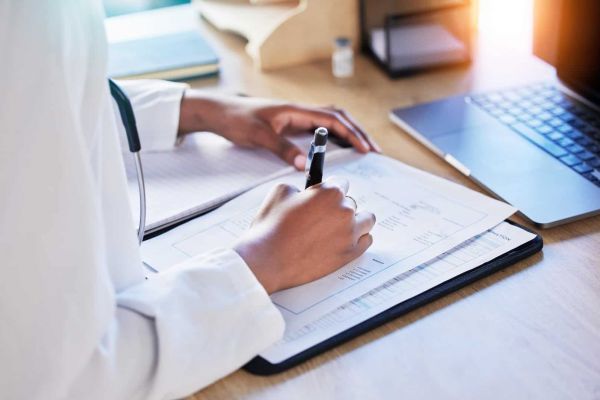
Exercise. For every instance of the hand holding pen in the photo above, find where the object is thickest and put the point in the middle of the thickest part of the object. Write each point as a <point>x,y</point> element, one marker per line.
<point>299,236</point>
<point>315,162</point>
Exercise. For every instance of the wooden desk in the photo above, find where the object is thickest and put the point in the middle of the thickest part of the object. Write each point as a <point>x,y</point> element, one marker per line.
<point>530,331</point>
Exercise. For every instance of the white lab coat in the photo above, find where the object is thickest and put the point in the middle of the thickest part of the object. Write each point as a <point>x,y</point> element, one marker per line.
<point>77,318</point>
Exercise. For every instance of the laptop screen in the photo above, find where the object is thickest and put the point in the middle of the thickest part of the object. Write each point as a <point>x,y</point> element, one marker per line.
<point>578,56</point>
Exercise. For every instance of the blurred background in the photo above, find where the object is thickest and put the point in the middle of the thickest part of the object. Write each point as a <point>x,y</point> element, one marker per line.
<point>507,21</point>
<point>119,7</point>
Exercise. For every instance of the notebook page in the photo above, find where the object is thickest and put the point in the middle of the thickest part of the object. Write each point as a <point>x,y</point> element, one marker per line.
<point>200,174</point>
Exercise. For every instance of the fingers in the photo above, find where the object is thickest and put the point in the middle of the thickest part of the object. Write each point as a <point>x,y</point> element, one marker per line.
<point>373,145</point>
<point>364,222</point>
<point>334,123</point>
<point>337,121</point>
<point>282,147</point>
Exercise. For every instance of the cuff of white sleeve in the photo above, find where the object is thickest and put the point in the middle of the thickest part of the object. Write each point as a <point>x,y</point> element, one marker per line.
<point>211,316</point>
<point>219,279</point>
<point>156,105</point>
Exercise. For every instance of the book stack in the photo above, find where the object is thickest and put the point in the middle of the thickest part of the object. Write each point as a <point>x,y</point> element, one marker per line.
<point>162,43</point>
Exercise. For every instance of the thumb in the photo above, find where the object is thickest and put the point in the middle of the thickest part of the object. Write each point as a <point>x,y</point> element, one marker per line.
<point>286,150</point>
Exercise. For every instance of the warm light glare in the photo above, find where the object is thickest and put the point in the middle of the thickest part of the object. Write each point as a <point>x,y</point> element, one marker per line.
<point>508,21</point>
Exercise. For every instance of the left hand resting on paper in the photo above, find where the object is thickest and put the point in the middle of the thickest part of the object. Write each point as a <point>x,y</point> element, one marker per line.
<point>262,123</point>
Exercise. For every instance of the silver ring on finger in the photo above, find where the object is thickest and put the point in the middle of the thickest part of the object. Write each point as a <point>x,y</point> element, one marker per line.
<point>353,201</point>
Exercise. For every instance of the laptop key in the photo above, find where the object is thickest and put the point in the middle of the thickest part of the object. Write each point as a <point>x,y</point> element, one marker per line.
<point>544,129</point>
<point>577,124</point>
<point>504,104</point>
<point>534,123</point>
<point>539,140</point>
<point>567,117</point>
<point>545,116</point>
<point>526,104</point>
<point>555,136</point>
<point>536,110</point>
<point>564,128</point>
<point>526,117</point>
<point>555,122</point>
<point>586,155</point>
<point>575,148</point>
<point>516,111</point>
<point>507,119</point>
<point>594,162</point>
<point>570,160</point>
<point>496,112</point>
<point>565,142</point>
<point>574,134</point>
<point>583,168</point>
<point>583,140</point>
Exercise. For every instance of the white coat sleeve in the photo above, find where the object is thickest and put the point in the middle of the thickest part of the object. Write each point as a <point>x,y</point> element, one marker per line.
<point>180,331</point>
<point>156,105</point>
<point>77,318</point>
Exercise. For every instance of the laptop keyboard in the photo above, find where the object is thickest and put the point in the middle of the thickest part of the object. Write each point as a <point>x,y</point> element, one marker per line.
<point>553,121</point>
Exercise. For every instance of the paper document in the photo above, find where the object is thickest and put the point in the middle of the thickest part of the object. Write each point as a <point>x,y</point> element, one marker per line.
<point>202,173</point>
<point>419,217</point>
<point>313,328</point>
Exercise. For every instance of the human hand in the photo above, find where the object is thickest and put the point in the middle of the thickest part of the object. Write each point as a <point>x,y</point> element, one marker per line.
<point>262,123</point>
<point>298,237</point>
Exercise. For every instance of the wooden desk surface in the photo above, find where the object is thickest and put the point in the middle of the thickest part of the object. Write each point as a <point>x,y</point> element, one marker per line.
<point>530,331</point>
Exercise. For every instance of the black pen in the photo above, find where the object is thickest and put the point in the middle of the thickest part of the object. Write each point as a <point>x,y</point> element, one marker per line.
<point>316,158</point>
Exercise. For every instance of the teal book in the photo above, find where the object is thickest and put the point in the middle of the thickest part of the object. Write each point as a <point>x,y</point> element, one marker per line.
<point>177,56</point>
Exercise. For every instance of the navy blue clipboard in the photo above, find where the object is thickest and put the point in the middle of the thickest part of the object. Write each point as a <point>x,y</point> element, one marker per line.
<point>260,366</point>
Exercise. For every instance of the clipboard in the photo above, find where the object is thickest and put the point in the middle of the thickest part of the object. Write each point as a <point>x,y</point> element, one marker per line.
<point>260,366</point>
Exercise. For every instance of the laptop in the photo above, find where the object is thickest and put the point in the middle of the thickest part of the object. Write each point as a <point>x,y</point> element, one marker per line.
<point>536,146</point>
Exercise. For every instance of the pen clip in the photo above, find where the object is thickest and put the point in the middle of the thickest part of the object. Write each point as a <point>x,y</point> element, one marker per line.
<point>309,157</point>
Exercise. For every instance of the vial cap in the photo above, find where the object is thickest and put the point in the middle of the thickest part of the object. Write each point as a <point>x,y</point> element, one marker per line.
<point>342,42</point>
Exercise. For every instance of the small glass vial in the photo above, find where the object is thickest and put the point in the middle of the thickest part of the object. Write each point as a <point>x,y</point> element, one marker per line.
<point>342,60</point>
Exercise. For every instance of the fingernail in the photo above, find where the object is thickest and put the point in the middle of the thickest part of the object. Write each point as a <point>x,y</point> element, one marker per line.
<point>366,146</point>
<point>300,161</point>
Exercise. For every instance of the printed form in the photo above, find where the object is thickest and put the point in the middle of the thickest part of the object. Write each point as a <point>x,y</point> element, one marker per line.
<point>419,218</point>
